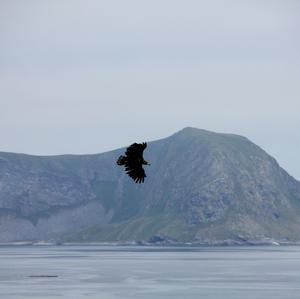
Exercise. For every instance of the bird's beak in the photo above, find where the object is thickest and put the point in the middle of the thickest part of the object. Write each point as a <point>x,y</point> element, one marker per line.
<point>148,163</point>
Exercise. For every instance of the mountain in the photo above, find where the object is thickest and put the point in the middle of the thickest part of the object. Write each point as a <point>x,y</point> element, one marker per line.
<point>201,187</point>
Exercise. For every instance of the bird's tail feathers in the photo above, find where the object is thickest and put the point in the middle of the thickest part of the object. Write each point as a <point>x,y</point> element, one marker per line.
<point>121,160</point>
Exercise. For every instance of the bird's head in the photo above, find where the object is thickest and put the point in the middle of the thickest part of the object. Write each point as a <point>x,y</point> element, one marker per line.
<point>146,162</point>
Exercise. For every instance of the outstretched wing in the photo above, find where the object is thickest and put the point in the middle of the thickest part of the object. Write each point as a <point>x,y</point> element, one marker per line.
<point>137,173</point>
<point>136,150</point>
<point>133,165</point>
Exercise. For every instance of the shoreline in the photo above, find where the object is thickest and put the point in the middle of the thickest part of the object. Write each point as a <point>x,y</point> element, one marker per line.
<point>224,243</point>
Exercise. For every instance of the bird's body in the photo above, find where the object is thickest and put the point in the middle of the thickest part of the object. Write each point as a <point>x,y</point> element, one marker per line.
<point>134,161</point>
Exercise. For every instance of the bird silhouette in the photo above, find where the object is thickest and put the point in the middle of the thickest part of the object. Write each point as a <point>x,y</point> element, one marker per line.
<point>133,161</point>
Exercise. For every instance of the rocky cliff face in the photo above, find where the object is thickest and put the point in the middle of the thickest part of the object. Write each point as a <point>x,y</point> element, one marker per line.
<point>201,187</point>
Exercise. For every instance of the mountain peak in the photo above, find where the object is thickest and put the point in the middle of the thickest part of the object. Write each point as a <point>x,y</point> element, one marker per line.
<point>189,130</point>
<point>192,131</point>
<point>201,185</point>
<point>224,140</point>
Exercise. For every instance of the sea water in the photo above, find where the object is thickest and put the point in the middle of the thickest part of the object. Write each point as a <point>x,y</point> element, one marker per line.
<point>107,272</point>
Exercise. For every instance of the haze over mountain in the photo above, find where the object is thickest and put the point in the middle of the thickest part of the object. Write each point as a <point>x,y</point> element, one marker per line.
<point>201,187</point>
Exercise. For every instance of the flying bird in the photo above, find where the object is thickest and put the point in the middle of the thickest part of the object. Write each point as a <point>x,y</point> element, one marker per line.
<point>134,161</point>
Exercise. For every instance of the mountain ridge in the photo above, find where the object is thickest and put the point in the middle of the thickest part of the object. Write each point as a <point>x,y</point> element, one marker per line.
<point>202,186</point>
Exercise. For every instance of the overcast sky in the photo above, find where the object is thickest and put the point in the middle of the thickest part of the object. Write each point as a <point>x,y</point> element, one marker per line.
<point>89,76</point>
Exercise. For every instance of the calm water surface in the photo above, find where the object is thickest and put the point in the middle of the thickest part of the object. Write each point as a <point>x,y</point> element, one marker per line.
<point>137,272</point>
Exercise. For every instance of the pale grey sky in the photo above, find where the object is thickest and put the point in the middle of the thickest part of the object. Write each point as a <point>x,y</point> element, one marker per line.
<point>89,76</point>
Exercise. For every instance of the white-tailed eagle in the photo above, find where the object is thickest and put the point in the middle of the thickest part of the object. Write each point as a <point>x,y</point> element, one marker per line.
<point>134,161</point>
